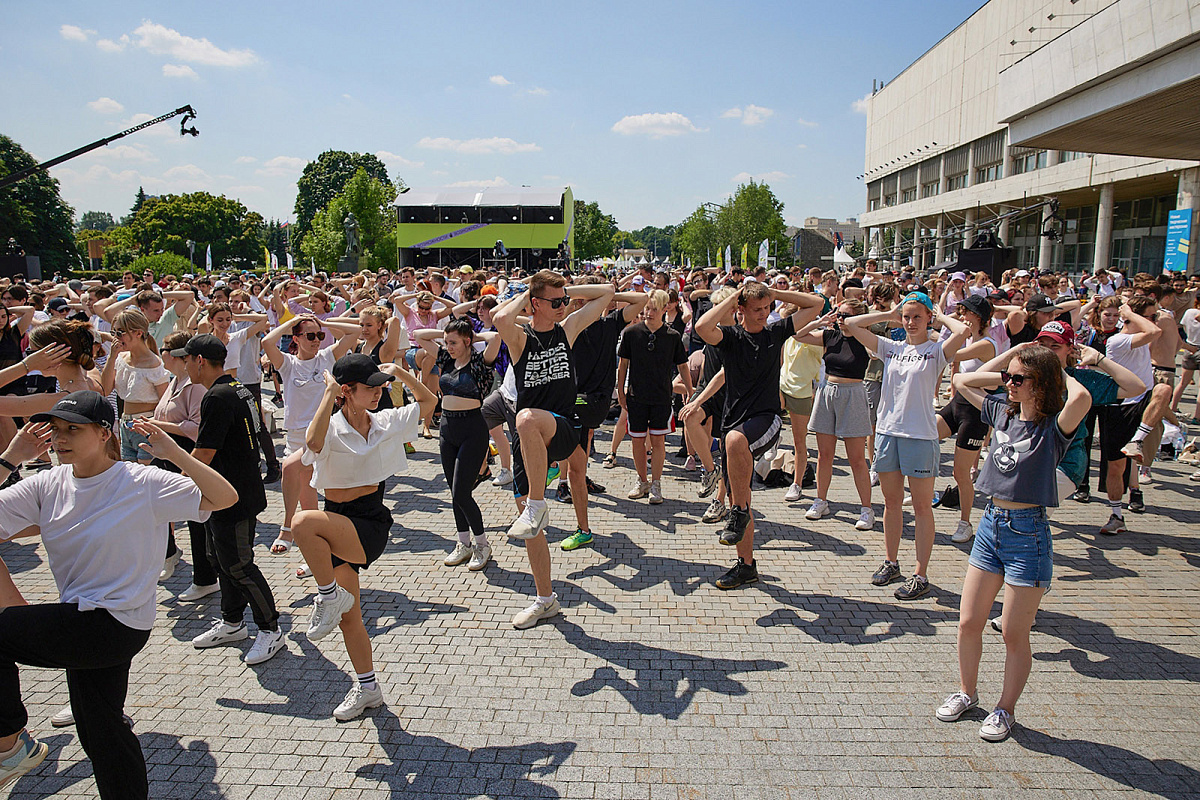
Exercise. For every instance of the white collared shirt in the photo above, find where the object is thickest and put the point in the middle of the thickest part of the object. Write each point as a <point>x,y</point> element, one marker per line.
<point>348,460</point>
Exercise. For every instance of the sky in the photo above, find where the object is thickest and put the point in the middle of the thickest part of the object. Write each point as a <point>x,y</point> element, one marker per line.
<point>648,108</point>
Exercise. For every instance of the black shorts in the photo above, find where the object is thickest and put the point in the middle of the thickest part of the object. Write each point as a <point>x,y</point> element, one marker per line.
<point>761,432</point>
<point>1118,424</point>
<point>562,445</point>
<point>647,418</point>
<point>372,521</point>
<point>965,420</point>
<point>592,409</point>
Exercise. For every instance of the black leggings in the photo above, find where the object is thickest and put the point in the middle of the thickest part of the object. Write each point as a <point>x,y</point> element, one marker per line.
<point>463,438</point>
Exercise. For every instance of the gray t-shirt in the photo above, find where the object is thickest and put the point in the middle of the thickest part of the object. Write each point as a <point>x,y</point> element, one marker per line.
<point>1023,456</point>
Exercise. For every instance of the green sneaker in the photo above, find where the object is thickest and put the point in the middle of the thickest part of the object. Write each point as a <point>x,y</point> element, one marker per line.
<point>580,538</point>
<point>552,474</point>
<point>409,449</point>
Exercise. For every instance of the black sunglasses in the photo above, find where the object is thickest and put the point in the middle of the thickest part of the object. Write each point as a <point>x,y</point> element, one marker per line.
<point>555,302</point>
<point>317,336</point>
<point>650,344</point>
<point>1008,377</point>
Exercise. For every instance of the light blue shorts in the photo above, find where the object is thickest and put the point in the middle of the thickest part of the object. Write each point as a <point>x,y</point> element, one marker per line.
<point>913,458</point>
<point>1015,543</point>
<point>130,439</point>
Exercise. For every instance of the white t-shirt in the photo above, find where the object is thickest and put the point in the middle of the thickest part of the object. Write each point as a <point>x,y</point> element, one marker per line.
<point>910,378</point>
<point>347,460</point>
<point>1135,359</point>
<point>104,536</point>
<point>1191,325</point>
<point>303,385</point>
<point>242,355</point>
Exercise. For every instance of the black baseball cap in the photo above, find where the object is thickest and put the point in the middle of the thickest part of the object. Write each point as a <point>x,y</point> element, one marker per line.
<point>979,306</point>
<point>1039,302</point>
<point>87,407</point>
<point>358,368</point>
<point>205,345</point>
<point>58,304</point>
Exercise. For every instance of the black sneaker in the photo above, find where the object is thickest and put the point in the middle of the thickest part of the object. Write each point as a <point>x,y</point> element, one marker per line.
<point>810,477</point>
<point>563,495</point>
<point>1082,495</point>
<point>274,473</point>
<point>913,588</point>
<point>887,573</point>
<point>681,452</point>
<point>1136,504</point>
<point>594,488</point>
<point>735,526</point>
<point>741,573</point>
<point>486,475</point>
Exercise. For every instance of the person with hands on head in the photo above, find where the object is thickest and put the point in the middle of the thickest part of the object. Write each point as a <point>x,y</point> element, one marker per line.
<point>547,424</point>
<point>103,523</point>
<point>352,452</point>
<point>751,422</point>
<point>301,373</point>
<point>906,436</point>
<point>1033,421</point>
<point>136,371</point>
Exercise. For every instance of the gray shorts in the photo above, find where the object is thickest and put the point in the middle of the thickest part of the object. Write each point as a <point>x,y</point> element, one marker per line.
<point>874,393</point>
<point>840,409</point>
<point>498,411</point>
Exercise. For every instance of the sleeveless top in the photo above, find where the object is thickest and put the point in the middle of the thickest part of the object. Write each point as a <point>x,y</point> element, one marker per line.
<point>385,399</point>
<point>472,380</point>
<point>545,374</point>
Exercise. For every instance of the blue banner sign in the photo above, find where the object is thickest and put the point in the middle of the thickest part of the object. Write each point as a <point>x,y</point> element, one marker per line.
<point>1179,237</point>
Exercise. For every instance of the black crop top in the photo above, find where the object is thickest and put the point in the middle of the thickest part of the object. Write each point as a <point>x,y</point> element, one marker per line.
<point>473,380</point>
<point>845,356</point>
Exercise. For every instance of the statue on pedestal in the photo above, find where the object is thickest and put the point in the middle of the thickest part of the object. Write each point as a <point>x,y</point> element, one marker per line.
<point>353,248</point>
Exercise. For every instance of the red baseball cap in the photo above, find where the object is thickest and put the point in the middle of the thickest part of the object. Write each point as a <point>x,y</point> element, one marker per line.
<point>1060,332</point>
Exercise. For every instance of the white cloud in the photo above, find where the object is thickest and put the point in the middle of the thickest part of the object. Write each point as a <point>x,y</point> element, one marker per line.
<point>484,184</point>
<point>163,41</point>
<point>282,166</point>
<point>245,160</point>
<point>495,144</point>
<point>123,152</point>
<point>733,113</point>
<point>656,126</point>
<point>750,115</point>
<point>393,159</point>
<point>539,91</point>
<point>74,33</point>
<point>860,105</point>
<point>109,46</point>
<point>185,171</point>
<point>178,71</point>
<point>500,80</point>
<point>237,190</point>
<point>763,177</point>
<point>805,123</point>
<point>106,105</point>
<point>801,147</point>
<point>97,173</point>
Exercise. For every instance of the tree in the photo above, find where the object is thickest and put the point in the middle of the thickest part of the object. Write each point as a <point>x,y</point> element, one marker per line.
<point>96,221</point>
<point>656,240</point>
<point>275,239</point>
<point>370,201</point>
<point>751,215</point>
<point>166,223</point>
<point>696,238</point>
<point>594,231</point>
<point>33,213</point>
<point>326,178</point>
<point>138,202</point>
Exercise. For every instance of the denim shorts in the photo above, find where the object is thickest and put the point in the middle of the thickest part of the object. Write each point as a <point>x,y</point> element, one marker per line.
<point>913,458</point>
<point>410,358</point>
<point>130,439</point>
<point>1015,543</point>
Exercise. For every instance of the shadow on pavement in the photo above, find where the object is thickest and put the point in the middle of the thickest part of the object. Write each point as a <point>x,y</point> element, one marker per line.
<point>842,620</point>
<point>650,570</point>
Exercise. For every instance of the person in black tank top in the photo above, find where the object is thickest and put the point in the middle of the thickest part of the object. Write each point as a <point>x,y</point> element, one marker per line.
<point>547,428</point>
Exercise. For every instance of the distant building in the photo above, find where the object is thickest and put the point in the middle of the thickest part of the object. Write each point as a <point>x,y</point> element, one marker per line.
<point>827,227</point>
<point>812,248</point>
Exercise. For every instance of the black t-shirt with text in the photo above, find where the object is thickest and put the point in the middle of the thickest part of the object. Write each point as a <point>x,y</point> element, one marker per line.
<point>752,370</point>
<point>229,426</point>
<point>654,358</point>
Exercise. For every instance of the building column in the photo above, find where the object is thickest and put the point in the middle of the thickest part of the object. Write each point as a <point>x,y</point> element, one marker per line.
<point>1189,198</point>
<point>1053,158</point>
<point>917,255</point>
<point>1104,224</point>
<point>1045,246</point>
<point>939,247</point>
<point>968,228</point>
<point>897,240</point>
<point>866,241</point>
<point>1002,232</point>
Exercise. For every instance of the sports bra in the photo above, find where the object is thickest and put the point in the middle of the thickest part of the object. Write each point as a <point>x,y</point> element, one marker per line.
<point>472,380</point>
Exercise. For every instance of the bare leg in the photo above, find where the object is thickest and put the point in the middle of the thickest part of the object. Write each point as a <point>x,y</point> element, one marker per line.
<point>826,448</point>
<point>922,497</point>
<point>619,431</point>
<point>658,452</point>
<point>503,448</point>
<point>699,440</point>
<point>354,631</point>
<point>1020,608</point>
<point>979,592</point>
<point>799,424</point>
<point>577,476</point>
<point>856,455</point>
<point>639,456</point>
<point>892,484</point>
<point>964,460</point>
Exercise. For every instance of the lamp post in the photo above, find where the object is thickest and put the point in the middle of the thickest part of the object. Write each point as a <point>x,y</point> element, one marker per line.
<point>191,246</point>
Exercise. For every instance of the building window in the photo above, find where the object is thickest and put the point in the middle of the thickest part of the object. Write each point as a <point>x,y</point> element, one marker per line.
<point>874,203</point>
<point>930,189</point>
<point>1028,162</point>
<point>1071,155</point>
<point>908,196</point>
<point>989,173</point>
<point>956,182</point>
<point>889,200</point>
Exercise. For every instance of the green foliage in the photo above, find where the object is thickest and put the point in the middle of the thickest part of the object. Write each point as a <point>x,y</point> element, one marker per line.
<point>166,224</point>
<point>275,239</point>
<point>162,264</point>
<point>855,249</point>
<point>369,199</point>
<point>138,202</point>
<point>656,240</point>
<point>326,178</point>
<point>594,231</point>
<point>33,213</point>
<point>122,249</point>
<point>696,238</point>
<point>751,215</point>
<point>625,240</point>
<point>96,221</point>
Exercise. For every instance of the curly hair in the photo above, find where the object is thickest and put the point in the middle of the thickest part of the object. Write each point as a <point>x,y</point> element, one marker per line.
<point>1045,371</point>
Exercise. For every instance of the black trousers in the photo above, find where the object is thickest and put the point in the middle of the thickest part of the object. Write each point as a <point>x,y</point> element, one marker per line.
<point>264,436</point>
<point>463,440</point>
<point>203,572</point>
<point>96,651</point>
<point>231,548</point>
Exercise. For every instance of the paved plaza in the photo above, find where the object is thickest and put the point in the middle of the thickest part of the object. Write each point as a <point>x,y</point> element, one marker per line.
<point>655,684</point>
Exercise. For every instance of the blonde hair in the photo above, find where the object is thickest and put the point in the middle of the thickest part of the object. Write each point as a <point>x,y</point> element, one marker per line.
<point>659,298</point>
<point>130,319</point>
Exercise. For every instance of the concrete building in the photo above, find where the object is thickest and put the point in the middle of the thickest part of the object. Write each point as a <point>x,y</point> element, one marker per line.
<point>849,229</point>
<point>1092,103</point>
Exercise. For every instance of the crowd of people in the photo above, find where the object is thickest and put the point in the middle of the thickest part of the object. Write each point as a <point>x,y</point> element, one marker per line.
<point>150,396</point>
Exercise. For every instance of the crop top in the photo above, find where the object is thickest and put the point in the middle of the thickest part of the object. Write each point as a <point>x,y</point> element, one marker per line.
<point>136,384</point>
<point>845,356</point>
<point>347,460</point>
<point>472,381</point>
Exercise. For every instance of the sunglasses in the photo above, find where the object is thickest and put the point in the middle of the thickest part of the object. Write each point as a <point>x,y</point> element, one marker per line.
<point>555,302</point>
<point>1008,377</point>
<point>314,336</point>
<point>650,344</point>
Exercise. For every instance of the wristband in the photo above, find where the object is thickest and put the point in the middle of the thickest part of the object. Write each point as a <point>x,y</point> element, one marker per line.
<point>6,465</point>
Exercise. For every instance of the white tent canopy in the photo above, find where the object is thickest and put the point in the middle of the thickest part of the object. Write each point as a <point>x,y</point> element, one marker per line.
<point>841,258</point>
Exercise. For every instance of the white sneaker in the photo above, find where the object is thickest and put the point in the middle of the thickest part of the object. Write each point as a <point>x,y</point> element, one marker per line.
<point>219,634</point>
<point>640,490</point>
<point>907,499</point>
<point>866,520</point>
<point>963,533</point>
<point>169,567</point>
<point>793,493</point>
<point>690,464</point>
<point>64,718</point>
<point>528,524</point>
<point>267,645</point>
<point>327,613</point>
<point>874,478</point>
<point>536,612</point>
<point>460,554</point>
<point>196,592</point>
<point>480,556</point>
<point>357,701</point>
<point>955,706</point>
<point>503,478</point>
<point>656,496</point>
<point>997,726</point>
<point>818,509</point>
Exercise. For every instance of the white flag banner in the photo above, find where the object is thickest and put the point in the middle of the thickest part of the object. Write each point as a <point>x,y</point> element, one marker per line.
<point>289,262</point>
<point>762,253</point>
<point>728,259</point>
<point>208,259</point>
<point>274,262</point>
